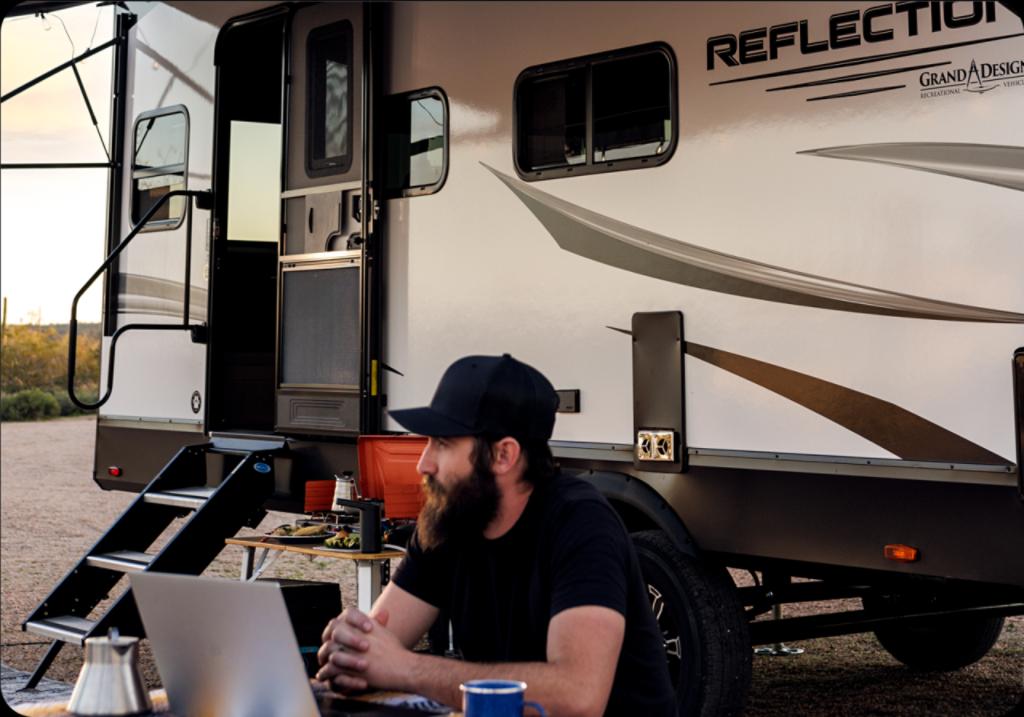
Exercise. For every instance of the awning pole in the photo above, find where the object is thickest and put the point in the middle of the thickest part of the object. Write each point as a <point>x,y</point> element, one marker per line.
<point>58,68</point>
<point>88,106</point>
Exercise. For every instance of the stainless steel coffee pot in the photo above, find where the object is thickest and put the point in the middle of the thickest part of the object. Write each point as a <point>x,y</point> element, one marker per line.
<point>110,682</point>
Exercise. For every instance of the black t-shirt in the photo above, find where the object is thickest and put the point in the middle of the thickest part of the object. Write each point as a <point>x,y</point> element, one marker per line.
<point>568,549</point>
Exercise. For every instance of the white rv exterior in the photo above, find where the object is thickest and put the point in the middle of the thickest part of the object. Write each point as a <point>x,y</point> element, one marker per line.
<point>745,184</point>
<point>824,197</point>
<point>471,265</point>
<point>170,64</point>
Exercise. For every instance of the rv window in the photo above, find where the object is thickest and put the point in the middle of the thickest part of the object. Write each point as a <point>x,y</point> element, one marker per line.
<point>417,142</point>
<point>632,107</point>
<point>158,165</point>
<point>622,102</point>
<point>553,112</point>
<point>329,104</point>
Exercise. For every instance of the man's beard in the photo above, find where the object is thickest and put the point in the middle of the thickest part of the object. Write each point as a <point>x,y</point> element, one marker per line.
<point>462,510</point>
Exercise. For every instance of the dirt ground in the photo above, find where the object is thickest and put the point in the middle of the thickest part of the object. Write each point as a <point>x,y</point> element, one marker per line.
<point>51,512</point>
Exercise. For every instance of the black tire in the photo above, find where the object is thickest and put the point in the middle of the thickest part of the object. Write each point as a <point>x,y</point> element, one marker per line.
<point>940,645</point>
<point>706,638</point>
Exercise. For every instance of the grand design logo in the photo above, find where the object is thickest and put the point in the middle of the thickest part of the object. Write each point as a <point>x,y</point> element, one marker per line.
<point>977,78</point>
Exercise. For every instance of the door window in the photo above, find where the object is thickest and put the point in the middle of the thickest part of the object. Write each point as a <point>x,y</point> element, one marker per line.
<point>329,101</point>
<point>417,142</point>
<point>159,162</point>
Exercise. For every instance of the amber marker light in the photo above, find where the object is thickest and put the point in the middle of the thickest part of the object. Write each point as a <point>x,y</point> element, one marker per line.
<point>901,553</point>
<point>114,471</point>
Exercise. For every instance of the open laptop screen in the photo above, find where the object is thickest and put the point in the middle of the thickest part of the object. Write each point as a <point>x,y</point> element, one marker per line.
<point>226,648</point>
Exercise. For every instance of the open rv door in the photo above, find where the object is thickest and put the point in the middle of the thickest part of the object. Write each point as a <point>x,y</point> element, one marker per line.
<point>320,334</point>
<point>163,92</point>
<point>268,110</point>
<point>292,312</point>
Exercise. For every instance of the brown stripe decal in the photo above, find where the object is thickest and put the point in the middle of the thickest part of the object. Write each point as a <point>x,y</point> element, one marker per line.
<point>885,424</point>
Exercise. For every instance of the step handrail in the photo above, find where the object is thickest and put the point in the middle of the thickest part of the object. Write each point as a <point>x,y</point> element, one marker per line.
<point>203,200</point>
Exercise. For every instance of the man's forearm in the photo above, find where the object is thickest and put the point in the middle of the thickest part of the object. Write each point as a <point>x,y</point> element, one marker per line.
<point>548,683</point>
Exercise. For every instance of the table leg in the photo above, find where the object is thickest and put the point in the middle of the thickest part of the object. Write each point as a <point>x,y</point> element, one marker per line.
<point>253,568</point>
<point>368,583</point>
<point>248,558</point>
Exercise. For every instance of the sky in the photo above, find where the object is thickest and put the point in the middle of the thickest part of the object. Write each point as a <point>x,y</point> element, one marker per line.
<point>52,220</point>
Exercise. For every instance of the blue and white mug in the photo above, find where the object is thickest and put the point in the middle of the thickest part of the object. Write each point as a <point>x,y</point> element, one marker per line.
<point>495,698</point>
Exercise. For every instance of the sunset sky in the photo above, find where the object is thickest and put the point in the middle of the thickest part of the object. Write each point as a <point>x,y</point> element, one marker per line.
<point>52,220</point>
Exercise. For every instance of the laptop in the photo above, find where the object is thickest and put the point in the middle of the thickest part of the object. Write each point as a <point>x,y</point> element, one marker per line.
<point>226,648</point>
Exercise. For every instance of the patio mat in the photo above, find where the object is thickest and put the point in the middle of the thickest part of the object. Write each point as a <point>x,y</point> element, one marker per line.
<point>11,681</point>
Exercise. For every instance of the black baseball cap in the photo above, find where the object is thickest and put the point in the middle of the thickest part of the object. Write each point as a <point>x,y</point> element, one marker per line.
<point>487,395</point>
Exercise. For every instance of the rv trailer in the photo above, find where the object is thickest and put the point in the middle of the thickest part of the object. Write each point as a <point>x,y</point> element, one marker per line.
<point>770,254</point>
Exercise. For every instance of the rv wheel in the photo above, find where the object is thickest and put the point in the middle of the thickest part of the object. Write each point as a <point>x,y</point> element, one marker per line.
<point>705,631</point>
<point>940,645</point>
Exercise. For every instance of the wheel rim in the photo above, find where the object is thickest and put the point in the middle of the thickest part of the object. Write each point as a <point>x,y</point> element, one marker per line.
<point>670,631</point>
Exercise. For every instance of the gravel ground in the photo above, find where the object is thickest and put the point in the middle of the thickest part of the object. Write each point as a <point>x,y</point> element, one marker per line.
<point>51,512</point>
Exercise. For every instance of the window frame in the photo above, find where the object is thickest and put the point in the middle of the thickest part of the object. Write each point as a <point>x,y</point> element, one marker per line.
<point>435,187</point>
<point>587,62</point>
<point>323,167</point>
<point>156,225</point>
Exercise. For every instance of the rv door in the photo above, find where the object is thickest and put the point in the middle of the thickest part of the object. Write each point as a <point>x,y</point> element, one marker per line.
<point>320,332</point>
<point>158,400</point>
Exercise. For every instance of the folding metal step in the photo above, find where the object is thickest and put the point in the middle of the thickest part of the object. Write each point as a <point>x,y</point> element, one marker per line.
<point>190,498</point>
<point>125,561</point>
<point>244,443</point>
<point>66,628</point>
<point>217,513</point>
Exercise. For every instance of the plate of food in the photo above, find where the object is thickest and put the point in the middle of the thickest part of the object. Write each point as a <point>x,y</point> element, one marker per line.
<point>289,533</point>
<point>343,542</point>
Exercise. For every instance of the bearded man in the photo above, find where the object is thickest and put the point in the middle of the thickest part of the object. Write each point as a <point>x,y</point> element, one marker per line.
<point>534,566</point>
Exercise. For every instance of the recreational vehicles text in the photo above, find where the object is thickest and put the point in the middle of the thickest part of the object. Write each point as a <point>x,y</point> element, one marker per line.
<point>846,29</point>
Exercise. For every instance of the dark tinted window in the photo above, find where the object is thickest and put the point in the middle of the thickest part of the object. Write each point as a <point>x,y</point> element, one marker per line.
<point>632,107</point>
<point>417,151</point>
<point>329,110</point>
<point>553,112</point>
<point>623,103</point>
<point>159,166</point>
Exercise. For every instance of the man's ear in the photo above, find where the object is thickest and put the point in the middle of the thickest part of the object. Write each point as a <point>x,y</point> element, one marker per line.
<point>506,455</point>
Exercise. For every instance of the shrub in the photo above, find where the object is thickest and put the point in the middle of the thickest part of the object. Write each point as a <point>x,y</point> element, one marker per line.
<point>67,408</point>
<point>29,405</point>
<point>35,357</point>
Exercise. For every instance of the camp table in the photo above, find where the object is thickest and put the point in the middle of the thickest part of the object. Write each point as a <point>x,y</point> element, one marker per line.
<point>372,569</point>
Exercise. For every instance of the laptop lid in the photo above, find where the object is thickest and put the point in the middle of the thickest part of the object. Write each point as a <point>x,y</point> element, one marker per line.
<point>223,647</point>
